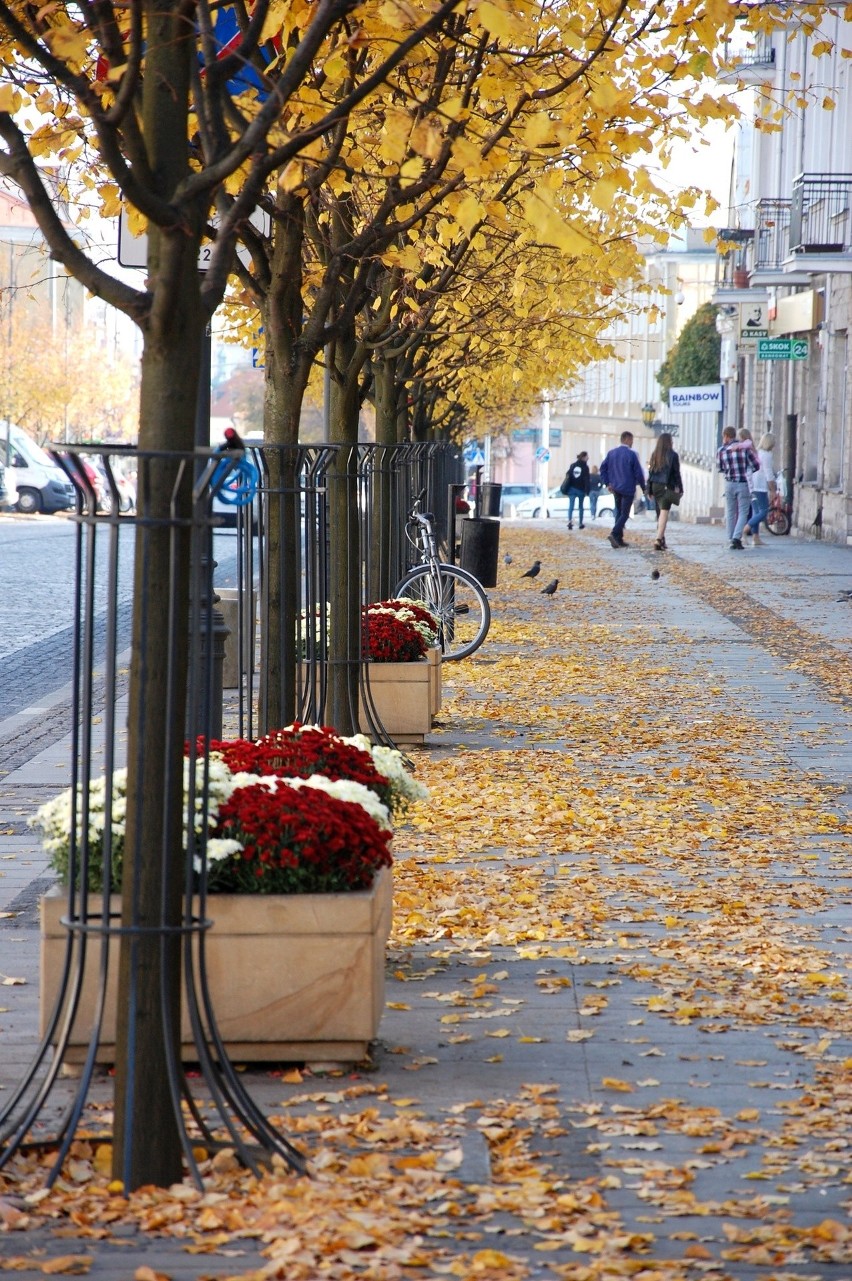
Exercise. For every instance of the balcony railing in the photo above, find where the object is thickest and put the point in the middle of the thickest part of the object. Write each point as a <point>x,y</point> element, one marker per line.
<point>755,62</point>
<point>732,265</point>
<point>819,213</point>
<point>772,234</point>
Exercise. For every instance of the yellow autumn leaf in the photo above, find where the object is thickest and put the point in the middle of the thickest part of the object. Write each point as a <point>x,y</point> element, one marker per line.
<point>613,1083</point>
<point>292,176</point>
<point>67,1265</point>
<point>495,19</point>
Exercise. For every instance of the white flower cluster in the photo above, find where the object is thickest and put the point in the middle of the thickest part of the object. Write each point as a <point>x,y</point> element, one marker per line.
<point>54,817</point>
<point>389,762</point>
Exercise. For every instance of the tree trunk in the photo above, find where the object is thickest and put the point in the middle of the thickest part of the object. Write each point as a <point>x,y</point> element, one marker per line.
<point>147,1147</point>
<point>287,370</point>
<point>381,570</point>
<point>344,642</point>
<point>153,888</point>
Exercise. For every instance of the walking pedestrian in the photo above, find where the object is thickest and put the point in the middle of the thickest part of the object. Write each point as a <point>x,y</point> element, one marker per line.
<point>735,459</point>
<point>664,483</point>
<point>576,486</point>
<point>622,473</point>
<point>762,488</point>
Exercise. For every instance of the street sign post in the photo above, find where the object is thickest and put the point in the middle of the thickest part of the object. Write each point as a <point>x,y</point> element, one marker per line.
<point>782,349</point>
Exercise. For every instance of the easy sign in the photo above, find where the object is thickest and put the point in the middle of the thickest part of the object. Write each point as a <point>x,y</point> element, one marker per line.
<point>693,399</point>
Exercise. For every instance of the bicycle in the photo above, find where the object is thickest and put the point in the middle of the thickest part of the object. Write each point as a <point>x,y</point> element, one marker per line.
<point>451,593</point>
<point>778,516</point>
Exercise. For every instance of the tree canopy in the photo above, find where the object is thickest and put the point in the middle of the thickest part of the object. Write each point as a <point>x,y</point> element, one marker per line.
<point>694,359</point>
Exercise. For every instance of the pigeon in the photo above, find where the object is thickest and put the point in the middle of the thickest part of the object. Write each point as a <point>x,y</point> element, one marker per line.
<point>533,571</point>
<point>507,559</point>
<point>550,588</point>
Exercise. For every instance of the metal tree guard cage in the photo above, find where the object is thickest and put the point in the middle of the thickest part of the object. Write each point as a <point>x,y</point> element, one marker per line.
<point>111,547</point>
<point>292,591</point>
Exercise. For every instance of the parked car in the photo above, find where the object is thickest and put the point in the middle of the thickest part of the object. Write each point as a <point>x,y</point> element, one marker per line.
<point>512,495</point>
<point>557,506</point>
<point>42,486</point>
<point>8,493</point>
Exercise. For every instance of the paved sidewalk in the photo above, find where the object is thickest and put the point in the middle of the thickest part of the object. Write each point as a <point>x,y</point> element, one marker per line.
<point>693,1079</point>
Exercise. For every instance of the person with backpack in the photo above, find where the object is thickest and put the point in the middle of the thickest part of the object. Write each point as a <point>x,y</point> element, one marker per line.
<point>576,486</point>
<point>664,483</point>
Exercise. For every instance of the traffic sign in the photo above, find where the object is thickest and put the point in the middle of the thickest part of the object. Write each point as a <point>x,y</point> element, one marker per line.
<point>782,349</point>
<point>542,455</point>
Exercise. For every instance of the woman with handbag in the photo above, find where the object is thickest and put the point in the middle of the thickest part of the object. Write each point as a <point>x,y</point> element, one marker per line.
<point>664,483</point>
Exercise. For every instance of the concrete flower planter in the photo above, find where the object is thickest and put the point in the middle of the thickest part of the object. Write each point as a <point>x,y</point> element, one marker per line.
<point>405,696</point>
<point>292,978</point>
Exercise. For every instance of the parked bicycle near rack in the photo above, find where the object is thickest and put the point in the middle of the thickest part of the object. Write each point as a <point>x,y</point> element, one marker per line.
<point>451,593</point>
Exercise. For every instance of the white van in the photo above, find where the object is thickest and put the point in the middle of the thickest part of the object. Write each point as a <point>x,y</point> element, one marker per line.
<point>42,485</point>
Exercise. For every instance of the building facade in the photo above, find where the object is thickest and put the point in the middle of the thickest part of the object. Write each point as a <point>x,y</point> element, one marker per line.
<point>621,393</point>
<point>786,256</point>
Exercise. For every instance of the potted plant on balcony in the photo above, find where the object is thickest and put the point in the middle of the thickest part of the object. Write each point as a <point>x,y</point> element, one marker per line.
<point>402,675</point>
<point>299,892</point>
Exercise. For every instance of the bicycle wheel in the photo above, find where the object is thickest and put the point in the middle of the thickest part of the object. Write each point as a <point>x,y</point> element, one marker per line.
<point>777,521</point>
<point>456,599</point>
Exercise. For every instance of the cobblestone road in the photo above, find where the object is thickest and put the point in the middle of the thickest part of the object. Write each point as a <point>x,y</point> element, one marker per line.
<point>37,574</point>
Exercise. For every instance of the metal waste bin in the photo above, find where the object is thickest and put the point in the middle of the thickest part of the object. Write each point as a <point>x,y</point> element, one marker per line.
<point>492,494</point>
<point>480,542</point>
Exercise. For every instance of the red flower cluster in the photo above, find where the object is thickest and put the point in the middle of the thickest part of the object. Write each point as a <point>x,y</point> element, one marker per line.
<point>297,841</point>
<point>389,639</point>
<point>300,751</point>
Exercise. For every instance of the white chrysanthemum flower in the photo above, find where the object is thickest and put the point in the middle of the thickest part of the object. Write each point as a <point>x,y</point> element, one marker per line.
<point>389,762</point>
<point>345,790</point>
<point>244,779</point>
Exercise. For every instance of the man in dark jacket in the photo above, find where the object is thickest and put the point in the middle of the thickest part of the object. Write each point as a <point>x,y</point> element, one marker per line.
<point>576,486</point>
<point>622,473</point>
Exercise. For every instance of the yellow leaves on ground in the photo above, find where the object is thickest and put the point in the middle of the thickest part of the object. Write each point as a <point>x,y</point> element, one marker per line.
<point>620,860</point>
<point>623,816</point>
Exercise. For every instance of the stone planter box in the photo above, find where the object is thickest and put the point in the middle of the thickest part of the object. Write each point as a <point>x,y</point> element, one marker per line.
<point>293,978</point>
<point>405,696</point>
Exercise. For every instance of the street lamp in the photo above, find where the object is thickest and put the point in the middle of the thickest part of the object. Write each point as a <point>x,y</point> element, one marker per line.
<point>652,422</point>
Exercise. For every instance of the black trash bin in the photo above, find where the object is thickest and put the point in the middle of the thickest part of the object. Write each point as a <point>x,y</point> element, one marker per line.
<point>492,494</point>
<point>480,541</point>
